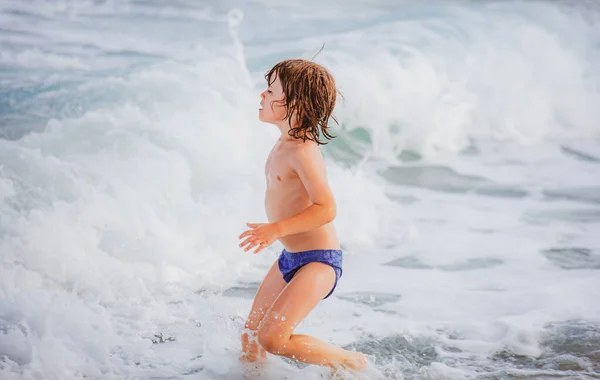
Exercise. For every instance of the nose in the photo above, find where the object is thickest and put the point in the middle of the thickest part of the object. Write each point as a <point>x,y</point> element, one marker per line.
<point>262,95</point>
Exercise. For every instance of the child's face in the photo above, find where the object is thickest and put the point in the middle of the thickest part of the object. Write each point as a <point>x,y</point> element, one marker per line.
<point>271,108</point>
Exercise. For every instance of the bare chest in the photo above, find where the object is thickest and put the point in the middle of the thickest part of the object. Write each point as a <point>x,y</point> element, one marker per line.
<point>278,172</point>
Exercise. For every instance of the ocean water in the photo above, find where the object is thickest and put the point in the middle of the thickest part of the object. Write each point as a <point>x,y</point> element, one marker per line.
<point>466,172</point>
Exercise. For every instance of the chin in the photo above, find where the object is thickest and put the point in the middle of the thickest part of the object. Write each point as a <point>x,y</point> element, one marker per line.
<point>264,119</point>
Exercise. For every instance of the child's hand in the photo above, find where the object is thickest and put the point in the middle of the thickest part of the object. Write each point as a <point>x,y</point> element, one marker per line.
<point>259,234</point>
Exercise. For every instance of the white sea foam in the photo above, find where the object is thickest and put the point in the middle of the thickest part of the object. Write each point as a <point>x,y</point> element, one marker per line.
<point>119,215</point>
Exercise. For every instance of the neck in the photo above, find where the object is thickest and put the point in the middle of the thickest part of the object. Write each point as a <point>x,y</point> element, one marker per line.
<point>284,128</point>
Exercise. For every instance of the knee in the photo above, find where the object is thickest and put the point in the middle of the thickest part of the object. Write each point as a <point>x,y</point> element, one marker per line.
<point>273,342</point>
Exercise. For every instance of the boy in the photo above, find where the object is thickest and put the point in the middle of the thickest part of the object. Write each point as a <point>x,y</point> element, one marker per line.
<point>300,207</point>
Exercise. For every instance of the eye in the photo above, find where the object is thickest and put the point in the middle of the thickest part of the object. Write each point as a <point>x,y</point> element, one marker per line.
<point>269,91</point>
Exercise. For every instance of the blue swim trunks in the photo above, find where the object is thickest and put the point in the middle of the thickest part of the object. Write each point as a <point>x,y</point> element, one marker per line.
<point>291,262</point>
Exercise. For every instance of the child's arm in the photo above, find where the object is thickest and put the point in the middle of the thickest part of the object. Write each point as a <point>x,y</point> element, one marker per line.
<point>310,167</point>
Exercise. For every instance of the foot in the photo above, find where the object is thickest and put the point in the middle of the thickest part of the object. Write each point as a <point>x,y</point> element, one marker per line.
<point>352,363</point>
<point>252,352</point>
<point>355,361</point>
<point>253,368</point>
<point>253,357</point>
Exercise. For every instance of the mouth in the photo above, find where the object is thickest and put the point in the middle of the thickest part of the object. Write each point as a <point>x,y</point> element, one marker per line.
<point>260,108</point>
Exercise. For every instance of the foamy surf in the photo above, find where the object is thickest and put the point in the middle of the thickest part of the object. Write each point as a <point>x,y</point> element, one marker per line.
<point>465,171</point>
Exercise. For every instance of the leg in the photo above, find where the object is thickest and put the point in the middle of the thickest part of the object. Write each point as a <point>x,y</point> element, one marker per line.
<point>268,291</point>
<point>310,284</point>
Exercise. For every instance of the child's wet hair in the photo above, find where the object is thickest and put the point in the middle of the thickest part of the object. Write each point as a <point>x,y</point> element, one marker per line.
<point>309,91</point>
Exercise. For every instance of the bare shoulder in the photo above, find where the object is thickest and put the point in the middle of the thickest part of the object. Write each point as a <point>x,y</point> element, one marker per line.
<point>304,154</point>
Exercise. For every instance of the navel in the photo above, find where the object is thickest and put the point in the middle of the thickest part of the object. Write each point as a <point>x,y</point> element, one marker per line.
<point>278,178</point>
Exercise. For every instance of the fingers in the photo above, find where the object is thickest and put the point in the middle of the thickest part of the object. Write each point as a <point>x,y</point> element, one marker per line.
<point>250,232</point>
<point>247,233</point>
<point>245,242</point>
<point>254,238</point>
<point>263,244</point>
<point>248,240</point>
<point>253,243</point>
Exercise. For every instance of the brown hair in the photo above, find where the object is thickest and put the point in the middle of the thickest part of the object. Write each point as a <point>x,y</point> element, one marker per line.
<point>309,90</point>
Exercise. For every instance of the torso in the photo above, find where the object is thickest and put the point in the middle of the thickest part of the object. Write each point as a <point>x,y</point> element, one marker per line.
<point>286,196</point>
